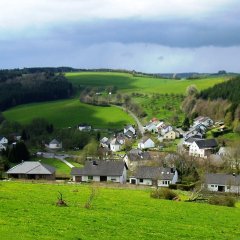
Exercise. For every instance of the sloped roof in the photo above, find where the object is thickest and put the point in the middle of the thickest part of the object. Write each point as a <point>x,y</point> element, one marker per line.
<point>206,143</point>
<point>100,168</point>
<point>154,173</point>
<point>193,139</point>
<point>138,155</point>
<point>222,179</point>
<point>31,167</point>
<point>144,139</point>
<point>54,141</point>
<point>128,126</point>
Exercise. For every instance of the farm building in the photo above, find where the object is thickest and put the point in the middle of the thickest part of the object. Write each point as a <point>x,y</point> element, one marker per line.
<point>32,170</point>
<point>101,171</point>
<point>220,182</point>
<point>159,176</point>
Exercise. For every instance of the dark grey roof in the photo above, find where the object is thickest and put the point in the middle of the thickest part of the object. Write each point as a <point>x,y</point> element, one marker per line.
<point>138,155</point>
<point>31,167</point>
<point>100,168</point>
<point>155,173</point>
<point>193,138</point>
<point>222,179</point>
<point>206,143</point>
<point>129,133</point>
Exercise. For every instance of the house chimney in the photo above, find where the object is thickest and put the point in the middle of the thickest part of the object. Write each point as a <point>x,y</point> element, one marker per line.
<point>94,163</point>
<point>172,170</point>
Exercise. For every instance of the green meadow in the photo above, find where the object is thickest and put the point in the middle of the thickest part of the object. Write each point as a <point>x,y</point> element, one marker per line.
<point>28,211</point>
<point>69,113</point>
<point>129,83</point>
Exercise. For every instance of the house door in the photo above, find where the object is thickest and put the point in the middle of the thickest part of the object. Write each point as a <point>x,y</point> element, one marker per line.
<point>103,178</point>
<point>78,178</point>
<point>221,188</point>
<point>133,181</point>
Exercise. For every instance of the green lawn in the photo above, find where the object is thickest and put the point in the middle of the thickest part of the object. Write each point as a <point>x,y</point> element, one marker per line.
<point>69,113</point>
<point>28,211</point>
<point>129,83</point>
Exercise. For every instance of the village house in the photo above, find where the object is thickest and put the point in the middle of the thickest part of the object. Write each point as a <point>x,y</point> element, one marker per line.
<point>129,130</point>
<point>54,145</point>
<point>105,142</point>
<point>206,121</point>
<point>165,129</point>
<point>32,170</point>
<point>202,148</point>
<point>171,135</point>
<point>115,145</point>
<point>188,141</point>
<point>220,182</point>
<point>158,176</point>
<point>151,127</point>
<point>145,143</point>
<point>224,152</point>
<point>101,171</point>
<point>84,128</point>
<point>3,140</point>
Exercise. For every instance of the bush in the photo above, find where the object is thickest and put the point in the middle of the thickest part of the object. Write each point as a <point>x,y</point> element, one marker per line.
<point>173,186</point>
<point>223,201</point>
<point>163,193</point>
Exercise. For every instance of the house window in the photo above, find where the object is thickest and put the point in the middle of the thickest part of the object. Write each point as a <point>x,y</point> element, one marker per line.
<point>113,179</point>
<point>228,187</point>
<point>90,177</point>
<point>141,180</point>
<point>212,185</point>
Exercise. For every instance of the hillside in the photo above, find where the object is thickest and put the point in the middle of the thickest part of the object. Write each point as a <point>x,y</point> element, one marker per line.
<point>70,113</point>
<point>116,214</point>
<point>164,107</point>
<point>130,83</point>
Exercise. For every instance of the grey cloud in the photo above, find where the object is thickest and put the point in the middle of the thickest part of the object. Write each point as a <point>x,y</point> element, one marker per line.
<point>169,33</point>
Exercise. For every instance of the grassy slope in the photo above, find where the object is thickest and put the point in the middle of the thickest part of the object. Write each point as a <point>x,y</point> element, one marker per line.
<point>117,214</point>
<point>128,83</point>
<point>71,112</point>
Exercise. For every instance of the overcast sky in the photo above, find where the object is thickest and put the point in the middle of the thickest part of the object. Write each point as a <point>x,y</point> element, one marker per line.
<point>144,35</point>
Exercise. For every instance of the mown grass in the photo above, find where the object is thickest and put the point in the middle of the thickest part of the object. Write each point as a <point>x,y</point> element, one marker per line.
<point>70,113</point>
<point>129,83</point>
<point>28,211</point>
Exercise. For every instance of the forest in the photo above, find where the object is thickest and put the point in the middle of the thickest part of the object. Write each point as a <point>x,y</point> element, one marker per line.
<point>32,85</point>
<point>228,90</point>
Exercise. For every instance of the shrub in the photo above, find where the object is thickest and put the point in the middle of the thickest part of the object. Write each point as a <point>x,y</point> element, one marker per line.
<point>223,201</point>
<point>173,186</point>
<point>163,193</point>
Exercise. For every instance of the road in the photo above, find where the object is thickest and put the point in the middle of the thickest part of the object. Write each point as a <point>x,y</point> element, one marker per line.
<point>140,126</point>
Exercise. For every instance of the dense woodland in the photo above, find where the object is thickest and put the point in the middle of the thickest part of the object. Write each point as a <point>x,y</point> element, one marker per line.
<point>31,85</point>
<point>229,90</point>
<point>221,102</point>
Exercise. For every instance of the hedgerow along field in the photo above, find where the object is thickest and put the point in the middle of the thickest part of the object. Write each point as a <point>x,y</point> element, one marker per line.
<point>28,211</point>
<point>69,113</point>
<point>126,82</point>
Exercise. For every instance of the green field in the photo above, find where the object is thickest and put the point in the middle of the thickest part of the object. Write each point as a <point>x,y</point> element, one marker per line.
<point>129,83</point>
<point>28,211</point>
<point>70,113</point>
